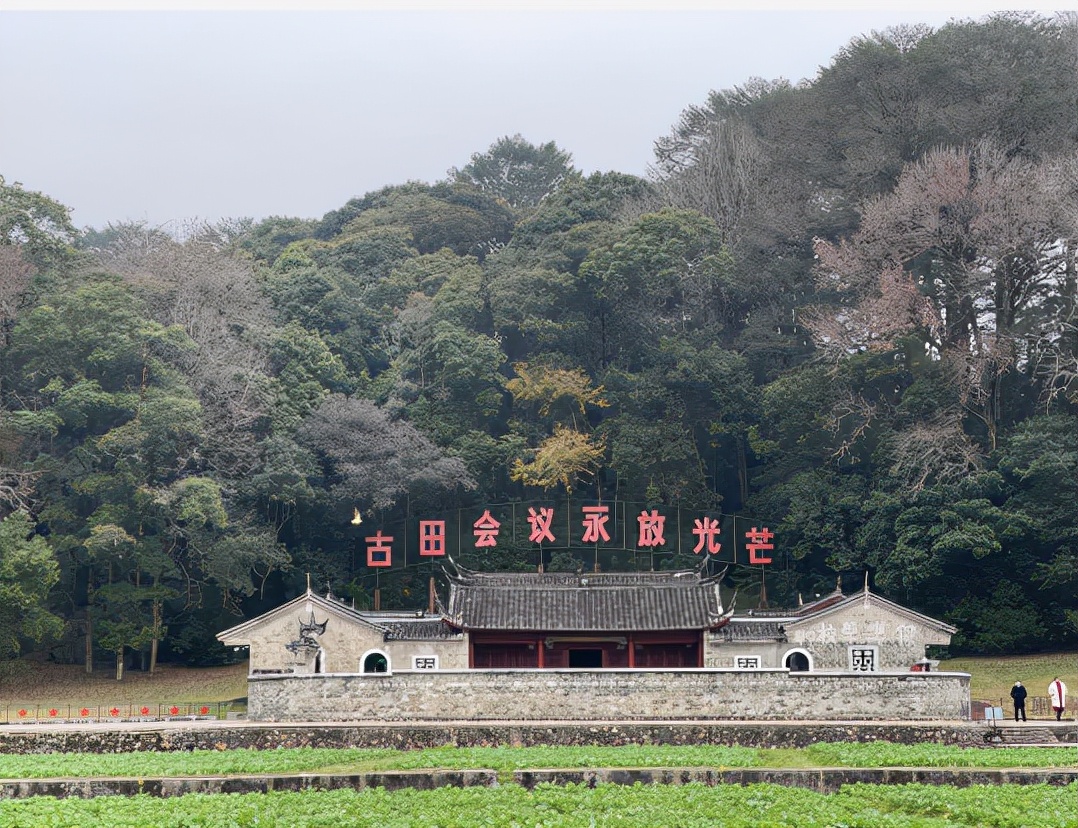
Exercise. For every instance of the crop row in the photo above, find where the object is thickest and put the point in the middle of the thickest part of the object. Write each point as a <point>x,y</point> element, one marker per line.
<point>299,760</point>
<point>605,806</point>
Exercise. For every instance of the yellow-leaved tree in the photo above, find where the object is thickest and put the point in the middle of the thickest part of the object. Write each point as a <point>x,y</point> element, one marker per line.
<point>570,452</point>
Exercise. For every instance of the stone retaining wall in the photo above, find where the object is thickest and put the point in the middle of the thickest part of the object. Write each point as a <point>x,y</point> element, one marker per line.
<point>226,736</point>
<point>609,695</point>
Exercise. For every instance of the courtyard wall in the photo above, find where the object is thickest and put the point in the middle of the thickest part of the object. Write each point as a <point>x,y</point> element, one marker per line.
<point>609,695</point>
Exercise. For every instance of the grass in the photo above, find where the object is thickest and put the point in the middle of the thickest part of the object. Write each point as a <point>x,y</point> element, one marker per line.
<point>29,683</point>
<point>991,677</point>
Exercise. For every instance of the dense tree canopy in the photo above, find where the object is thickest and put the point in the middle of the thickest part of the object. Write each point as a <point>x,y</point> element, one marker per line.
<point>846,309</point>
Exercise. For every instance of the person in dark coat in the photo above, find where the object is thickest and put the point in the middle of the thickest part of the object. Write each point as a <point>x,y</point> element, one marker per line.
<point>1018,693</point>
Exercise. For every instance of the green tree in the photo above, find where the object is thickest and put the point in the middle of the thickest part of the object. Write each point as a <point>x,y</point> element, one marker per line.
<point>28,570</point>
<point>37,224</point>
<point>517,171</point>
<point>666,274</point>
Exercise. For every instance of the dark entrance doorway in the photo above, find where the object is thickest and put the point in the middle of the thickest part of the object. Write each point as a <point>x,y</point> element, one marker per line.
<point>375,663</point>
<point>797,662</point>
<point>586,659</point>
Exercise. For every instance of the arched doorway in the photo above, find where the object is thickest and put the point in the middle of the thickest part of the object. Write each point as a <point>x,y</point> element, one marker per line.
<point>320,661</point>
<point>797,661</point>
<point>375,662</point>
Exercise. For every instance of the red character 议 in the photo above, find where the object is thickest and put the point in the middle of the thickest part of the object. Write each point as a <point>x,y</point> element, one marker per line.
<point>540,523</point>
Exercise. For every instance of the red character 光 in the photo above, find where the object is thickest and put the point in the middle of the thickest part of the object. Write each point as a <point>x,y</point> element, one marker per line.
<point>707,530</point>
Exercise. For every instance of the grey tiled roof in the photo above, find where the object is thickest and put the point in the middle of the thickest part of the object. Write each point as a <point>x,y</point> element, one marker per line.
<point>587,602</point>
<point>419,629</point>
<point>742,629</point>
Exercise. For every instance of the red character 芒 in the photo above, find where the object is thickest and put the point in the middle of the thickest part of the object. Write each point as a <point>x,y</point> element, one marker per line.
<point>759,541</point>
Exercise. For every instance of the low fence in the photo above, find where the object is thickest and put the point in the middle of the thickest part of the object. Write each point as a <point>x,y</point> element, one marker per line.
<point>1037,707</point>
<point>119,712</point>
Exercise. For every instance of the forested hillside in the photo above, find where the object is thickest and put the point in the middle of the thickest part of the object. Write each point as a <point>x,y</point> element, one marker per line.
<point>845,310</point>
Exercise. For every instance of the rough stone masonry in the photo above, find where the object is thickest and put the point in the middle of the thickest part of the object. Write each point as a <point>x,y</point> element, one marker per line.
<point>609,695</point>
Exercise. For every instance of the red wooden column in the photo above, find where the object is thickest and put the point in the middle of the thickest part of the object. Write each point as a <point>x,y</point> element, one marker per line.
<point>539,648</point>
<point>632,652</point>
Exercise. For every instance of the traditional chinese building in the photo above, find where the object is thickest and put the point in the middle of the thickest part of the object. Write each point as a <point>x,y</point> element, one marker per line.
<point>592,621</point>
<point>596,621</point>
<point>311,634</point>
<point>862,632</point>
<point>596,646</point>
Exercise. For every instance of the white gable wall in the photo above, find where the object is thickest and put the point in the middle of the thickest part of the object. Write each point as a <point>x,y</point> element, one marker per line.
<point>899,639</point>
<point>344,641</point>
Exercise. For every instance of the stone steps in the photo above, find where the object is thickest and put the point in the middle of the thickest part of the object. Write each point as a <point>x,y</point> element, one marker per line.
<point>1025,734</point>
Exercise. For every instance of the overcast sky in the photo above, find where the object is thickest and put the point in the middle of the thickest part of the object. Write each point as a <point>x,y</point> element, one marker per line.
<point>169,115</point>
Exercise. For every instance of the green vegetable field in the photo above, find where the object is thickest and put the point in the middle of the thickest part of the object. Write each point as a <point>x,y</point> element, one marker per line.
<point>303,760</point>
<point>606,805</point>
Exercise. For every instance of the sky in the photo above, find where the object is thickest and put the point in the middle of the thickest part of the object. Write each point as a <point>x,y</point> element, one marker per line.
<point>166,112</point>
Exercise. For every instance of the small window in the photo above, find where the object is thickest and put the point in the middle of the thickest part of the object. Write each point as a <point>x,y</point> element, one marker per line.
<point>864,659</point>
<point>424,662</point>
<point>375,662</point>
<point>748,662</point>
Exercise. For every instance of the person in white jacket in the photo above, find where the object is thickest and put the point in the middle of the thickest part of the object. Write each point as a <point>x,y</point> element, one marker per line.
<point>1057,695</point>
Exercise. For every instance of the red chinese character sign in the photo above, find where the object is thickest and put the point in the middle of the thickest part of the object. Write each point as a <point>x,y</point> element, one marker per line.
<point>431,537</point>
<point>540,524</point>
<point>594,523</point>
<point>379,549</point>
<point>707,534</point>
<point>486,530</point>
<point>759,541</point>
<point>651,529</point>
<point>608,527</point>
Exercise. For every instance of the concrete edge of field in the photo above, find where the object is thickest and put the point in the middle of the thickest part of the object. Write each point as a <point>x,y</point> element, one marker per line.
<point>224,735</point>
<point>824,780</point>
